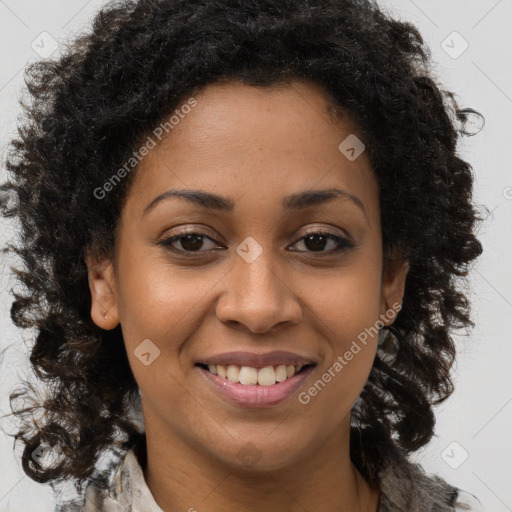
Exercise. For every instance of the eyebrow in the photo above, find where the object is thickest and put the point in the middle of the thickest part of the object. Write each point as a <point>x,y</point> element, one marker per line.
<point>292,202</point>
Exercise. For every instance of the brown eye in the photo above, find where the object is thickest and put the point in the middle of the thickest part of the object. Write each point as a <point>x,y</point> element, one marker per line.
<point>317,241</point>
<point>192,241</point>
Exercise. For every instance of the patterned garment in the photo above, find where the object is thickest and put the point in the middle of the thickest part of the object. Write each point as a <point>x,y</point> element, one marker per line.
<point>405,488</point>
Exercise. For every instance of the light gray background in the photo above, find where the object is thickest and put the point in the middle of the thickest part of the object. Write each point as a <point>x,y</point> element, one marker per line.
<point>476,417</point>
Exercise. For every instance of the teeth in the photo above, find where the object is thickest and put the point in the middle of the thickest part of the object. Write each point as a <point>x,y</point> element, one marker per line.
<point>221,371</point>
<point>233,372</point>
<point>266,376</point>
<point>281,373</point>
<point>250,376</point>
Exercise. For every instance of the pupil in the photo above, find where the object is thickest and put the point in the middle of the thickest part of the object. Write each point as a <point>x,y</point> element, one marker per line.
<point>309,238</point>
<point>192,246</point>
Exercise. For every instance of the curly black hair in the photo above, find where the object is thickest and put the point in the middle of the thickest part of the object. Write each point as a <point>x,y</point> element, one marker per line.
<point>91,108</point>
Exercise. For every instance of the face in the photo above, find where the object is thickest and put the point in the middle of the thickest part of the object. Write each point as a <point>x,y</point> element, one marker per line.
<point>269,267</point>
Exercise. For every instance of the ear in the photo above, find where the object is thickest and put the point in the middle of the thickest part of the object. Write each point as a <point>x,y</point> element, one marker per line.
<point>395,271</point>
<point>104,312</point>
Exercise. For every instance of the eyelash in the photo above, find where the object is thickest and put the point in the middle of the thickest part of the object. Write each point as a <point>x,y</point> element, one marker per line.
<point>343,243</point>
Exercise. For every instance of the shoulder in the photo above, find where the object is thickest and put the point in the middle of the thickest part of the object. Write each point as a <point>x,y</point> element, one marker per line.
<point>466,501</point>
<point>119,489</point>
<point>103,492</point>
<point>406,487</point>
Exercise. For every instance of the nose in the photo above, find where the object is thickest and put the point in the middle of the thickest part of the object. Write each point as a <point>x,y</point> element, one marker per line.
<point>256,297</point>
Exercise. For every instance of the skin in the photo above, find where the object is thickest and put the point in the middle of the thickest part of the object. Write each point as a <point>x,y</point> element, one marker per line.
<point>254,146</point>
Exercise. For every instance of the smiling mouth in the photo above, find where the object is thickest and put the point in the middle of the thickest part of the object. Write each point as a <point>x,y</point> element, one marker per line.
<point>250,376</point>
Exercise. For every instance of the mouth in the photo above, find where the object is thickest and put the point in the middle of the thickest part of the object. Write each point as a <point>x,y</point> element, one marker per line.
<point>250,387</point>
<point>251,376</point>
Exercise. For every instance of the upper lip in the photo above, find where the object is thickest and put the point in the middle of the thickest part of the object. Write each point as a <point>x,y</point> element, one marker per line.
<point>255,360</point>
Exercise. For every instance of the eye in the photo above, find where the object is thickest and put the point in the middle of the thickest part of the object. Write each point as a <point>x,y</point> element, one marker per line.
<point>190,241</point>
<point>316,241</point>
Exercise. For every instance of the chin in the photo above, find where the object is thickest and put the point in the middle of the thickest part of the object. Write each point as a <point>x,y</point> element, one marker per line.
<point>261,454</point>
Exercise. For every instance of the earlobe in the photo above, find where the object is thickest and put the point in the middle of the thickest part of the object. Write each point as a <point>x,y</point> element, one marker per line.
<point>104,312</point>
<point>393,287</point>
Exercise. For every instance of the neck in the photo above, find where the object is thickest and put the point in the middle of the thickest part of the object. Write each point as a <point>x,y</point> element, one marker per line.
<point>182,478</point>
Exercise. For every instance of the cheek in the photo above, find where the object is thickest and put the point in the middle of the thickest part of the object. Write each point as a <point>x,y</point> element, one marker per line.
<point>347,303</point>
<point>348,324</point>
<point>345,311</point>
<point>159,301</point>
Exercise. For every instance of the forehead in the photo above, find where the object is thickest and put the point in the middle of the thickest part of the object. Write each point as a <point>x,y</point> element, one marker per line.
<point>233,112</point>
<point>273,141</point>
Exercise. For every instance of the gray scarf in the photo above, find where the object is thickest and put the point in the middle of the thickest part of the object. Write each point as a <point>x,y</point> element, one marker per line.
<point>406,488</point>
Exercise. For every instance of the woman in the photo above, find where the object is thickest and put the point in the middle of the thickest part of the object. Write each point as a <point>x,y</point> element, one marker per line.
<point>241,228</point>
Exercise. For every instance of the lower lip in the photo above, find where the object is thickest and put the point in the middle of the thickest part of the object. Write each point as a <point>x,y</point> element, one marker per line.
<point>255,395</point>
